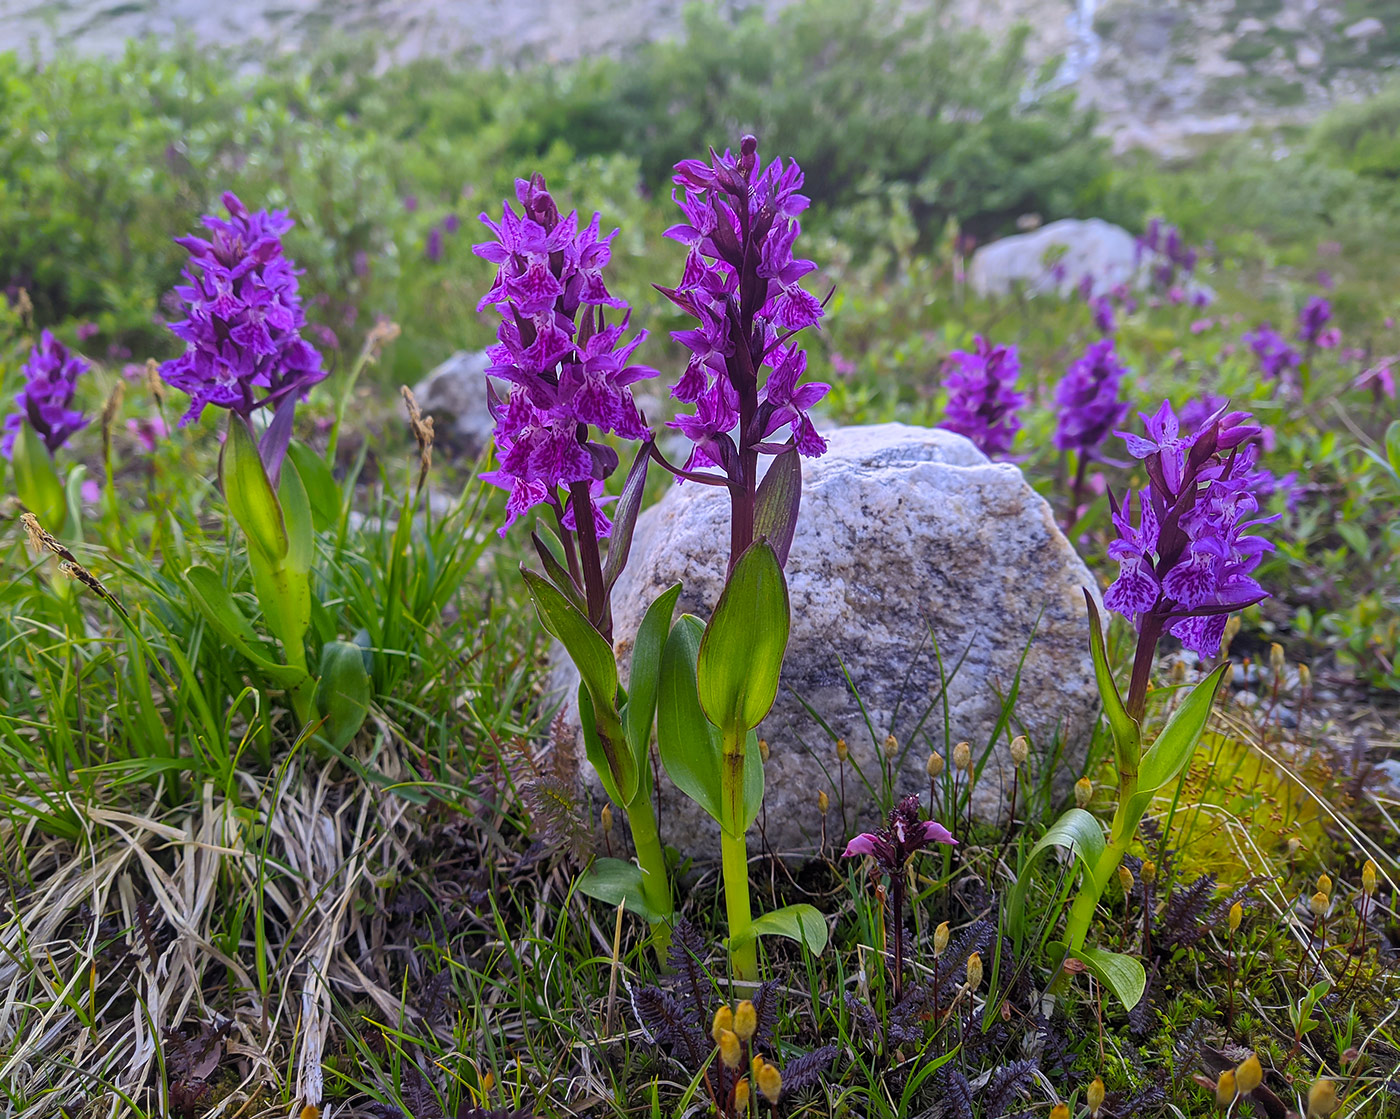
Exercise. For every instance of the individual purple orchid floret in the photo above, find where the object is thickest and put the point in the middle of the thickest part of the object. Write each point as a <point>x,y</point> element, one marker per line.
<point>569,368</point>
<point>45,400</point>
<point>982,400</point>
<point>244,317</point>
<point>1276,357</point>
<point>1088,399</point>
<point>904,836</point>
<point>1102,309</point>
<point>741,283</point>
<point>1186,563</point>
<point>1313,320</point>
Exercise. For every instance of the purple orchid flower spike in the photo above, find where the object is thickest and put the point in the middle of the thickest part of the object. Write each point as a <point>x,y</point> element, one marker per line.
<point>45,400</point>
<point>902,837</point>
<point>982,399</point>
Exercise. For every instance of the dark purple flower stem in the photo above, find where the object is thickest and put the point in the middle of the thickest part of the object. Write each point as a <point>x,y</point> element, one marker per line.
<point>897,905</point>
<point>588,554</point>
<point>1151,632</point>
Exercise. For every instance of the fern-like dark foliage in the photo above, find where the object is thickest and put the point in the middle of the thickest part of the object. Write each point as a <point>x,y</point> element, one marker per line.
<point>687,958</point>
<point>555,816</point>
<point>805,1073</point>
<point>866,1023</point>
<point>1182,923</point>
<point>669,1026</point>
<point>1056,1059</point>
<point>1143,1015</point>
<point>1186,1051</point>
<point>957,1095</point>
<point>1006,1086</point>
<point>765,1004</point>
<point>417,1094</point>
<point>467,1112</point>
<point>952,965</point>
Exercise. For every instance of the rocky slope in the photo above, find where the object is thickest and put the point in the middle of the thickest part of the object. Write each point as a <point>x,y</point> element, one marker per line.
<point>1162,72</point>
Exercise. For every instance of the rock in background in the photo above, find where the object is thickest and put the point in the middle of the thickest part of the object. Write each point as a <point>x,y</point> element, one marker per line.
<point>911,547</point>
<point>454,394</point>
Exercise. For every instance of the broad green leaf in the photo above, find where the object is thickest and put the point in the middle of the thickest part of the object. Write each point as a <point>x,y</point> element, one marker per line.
<point>741,654</point>
<point>777,502</point>
<point>1123,975</point>
<point>617,883</point>
<point>1166,757</point>
<point>211,598</point>
<point>608,753</point>
<point>587,648</point>
<point>1392,446</point>
<point>1076,831</point>
<point>343,692</point>
<point>322,490</point>
<point>558,574</point>
<point>36,481</point>
<point>285,597</point>
<point>249,493</point>
<point>642,682</point>
<point>802,923</point>
<point>687,741</point>
<point>296,511</point>
<point>1127,735</point>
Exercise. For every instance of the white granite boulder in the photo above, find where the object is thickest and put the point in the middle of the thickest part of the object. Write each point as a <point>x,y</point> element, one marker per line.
<point>911,547</point>
<point>454,394</point>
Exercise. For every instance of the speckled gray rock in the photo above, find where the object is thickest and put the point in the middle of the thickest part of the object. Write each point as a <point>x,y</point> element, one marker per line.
<point>454,394</point>
<point>1105,252</point>
<point>908,537</point>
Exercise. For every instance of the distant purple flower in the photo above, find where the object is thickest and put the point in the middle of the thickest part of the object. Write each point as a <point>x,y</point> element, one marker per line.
<point>1186,562</point>
<point>904,836</point>
<point>982,400</point>
<point>410,202</point>
<point>570,369</point>
<point>1200,298</point>
<point>1086,286</point>
<point>45,400</point>
<point>1325,280</point>
<point>244,317</point>
<point>87,330</point>
<point>148,431</point>
<point>451,223</point>
<point>432,247</point>
<point>1276,357</point>
<point>741,285</point>
<point>1087,399</point>
<point>1329,339</point>
<point>1103,314</point>
<point>1315,315</point>
<point>1200,326</point>
<point>1380,379</point>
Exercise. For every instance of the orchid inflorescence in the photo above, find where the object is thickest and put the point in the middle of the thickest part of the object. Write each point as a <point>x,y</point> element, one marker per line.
<point>45,400</point>
<point>982,398</point>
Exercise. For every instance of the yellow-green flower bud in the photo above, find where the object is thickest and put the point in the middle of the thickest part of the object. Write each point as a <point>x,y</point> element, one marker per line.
<point>1368,878</point>
<point>940,939</point>
<point>1149,872</point>
<point>770,1082</point>
<point>724,1020</point>
<point>891,745</point>
<point>730,1049</point>
<point>741,1096</point>
<point>934,766</point>
<point>1249,1074</point>
<point>1294,843</point>
<point>1304,677</point>
<point>1093,1096</point>
<point>763,750</point>
<point>1083,792</point>
<point>1020,750</point>
<point>1324,885</point>
<point>1318,904</point>
<point>1225,1088</point>
<point>842,750</point>
<point>1060,1111</point>
<point>1125,879</point>
<point>1236,915</point>
<point>607,819</point>
<point>1322,1099</point>
<point>823,802</point>
<point>974,971</point>
<point>745,1020</point>
<point>962,757</point>
<point>1276,659</point>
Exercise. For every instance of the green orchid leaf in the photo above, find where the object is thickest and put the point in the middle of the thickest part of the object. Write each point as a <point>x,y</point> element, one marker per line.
<point>343,692</point>
<point>1392,446</point>
<point>1123,975</point>
<point>741,654</point>
<point>587,648</point>
<point>617,883</point>
<point>777,502</point>
<point>1168,756</point>
<point>802,923</point>
<point>1077,832</point>
<point>607,752</point>
<point>37,484</point>
<point>297,516</point>
<point>322,490</point>
<point>558,574</point>
<point>644,680</point>
<point>688,742</point>
<point>1127,735</point>
<point>249,493</point>
<point>211,598</point>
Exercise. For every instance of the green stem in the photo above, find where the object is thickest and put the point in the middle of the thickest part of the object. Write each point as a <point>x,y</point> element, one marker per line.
<point>651,858</point>
<point>1081,914</point>
<point>734,855</point>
